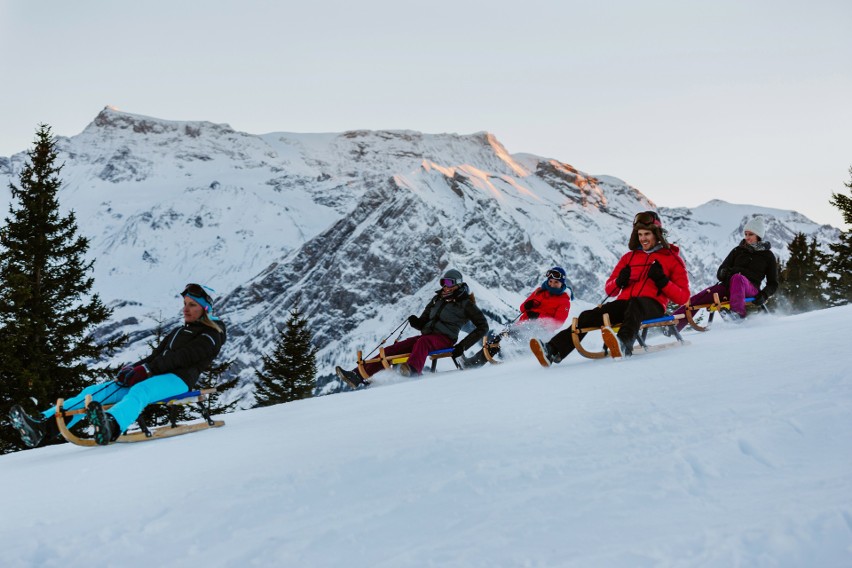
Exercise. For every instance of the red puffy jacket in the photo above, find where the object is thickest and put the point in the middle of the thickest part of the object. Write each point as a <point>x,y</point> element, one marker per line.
<point>548,307</point>
<point>676,289</point>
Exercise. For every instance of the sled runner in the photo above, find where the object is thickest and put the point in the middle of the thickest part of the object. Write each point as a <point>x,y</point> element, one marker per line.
<point>389,361</point>
<point>145,433</point>
<point>717,305</point>
<point>611,345</point>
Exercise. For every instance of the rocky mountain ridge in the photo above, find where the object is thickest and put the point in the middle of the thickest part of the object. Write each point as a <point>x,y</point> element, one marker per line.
<point>355,226</point>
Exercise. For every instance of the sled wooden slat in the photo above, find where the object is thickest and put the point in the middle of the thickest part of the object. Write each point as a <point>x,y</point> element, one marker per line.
<point>168,431</point>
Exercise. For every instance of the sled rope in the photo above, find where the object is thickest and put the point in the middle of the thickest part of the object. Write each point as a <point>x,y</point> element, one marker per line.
<point>388,337</point>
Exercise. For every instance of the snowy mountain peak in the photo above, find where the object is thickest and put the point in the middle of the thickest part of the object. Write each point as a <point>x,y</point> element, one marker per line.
<point>112,118</point>
<point>357,224</point>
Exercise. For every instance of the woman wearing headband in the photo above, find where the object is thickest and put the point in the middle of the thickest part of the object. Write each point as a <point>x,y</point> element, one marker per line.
<point>645,279</point>
<point>171,369</point>
<point>451,308</point>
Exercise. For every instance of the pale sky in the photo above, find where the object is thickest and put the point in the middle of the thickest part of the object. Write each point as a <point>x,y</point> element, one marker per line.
<point>745,101</point>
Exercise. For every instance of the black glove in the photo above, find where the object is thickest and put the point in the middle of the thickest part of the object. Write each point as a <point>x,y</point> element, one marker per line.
<point>414,322</point>
<point>532,315</point>
<point>760,299</point>
<point>458,350</point>
<point>724,274</point>
<point>623,277</point>
<point>659,277</point>
<point>531,304</point>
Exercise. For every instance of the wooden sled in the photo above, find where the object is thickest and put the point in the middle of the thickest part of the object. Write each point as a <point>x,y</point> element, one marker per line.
<point>608,332</point>
<point>389,361</point>
<point>718,305</point>
<point>145,433</point>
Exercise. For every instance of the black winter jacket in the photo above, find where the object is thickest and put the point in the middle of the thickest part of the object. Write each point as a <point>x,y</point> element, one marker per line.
<point>753,263</point>
<point>186,351</point>
<point>448,315</point>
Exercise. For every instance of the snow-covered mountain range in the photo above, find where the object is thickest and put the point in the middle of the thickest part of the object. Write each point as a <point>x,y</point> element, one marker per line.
<point>356,225</point>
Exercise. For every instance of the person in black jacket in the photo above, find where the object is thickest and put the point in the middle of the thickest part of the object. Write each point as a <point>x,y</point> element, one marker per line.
<point>741,274</point>
<point>171,369</point>
<point>449,310</point>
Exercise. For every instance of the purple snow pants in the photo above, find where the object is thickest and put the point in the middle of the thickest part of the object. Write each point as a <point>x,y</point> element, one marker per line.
<point>420,346</point>
<point>741,288</point>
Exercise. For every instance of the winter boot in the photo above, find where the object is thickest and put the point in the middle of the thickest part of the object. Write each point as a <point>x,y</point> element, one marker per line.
<point>542,352</point>
<point>405,370</point>
<point>32,431</point>
<point>106,428</point>
<point>351,378</point>
<point>478,359</point>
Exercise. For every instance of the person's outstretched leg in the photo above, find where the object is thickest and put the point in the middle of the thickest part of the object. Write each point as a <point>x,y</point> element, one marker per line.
<point>105,393</point>
<point>426,344</point>
<point>638,310</point>
<point>404,346</point>
<point>741,288</point>
<point>703,297</point>
<point>142,394</point>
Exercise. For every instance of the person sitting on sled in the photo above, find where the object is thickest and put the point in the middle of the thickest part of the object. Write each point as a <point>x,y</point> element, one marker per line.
<point>646,278</point>
<point>547,307</point>
<point>170,370</point>
<point>550,303</point>
<point>741,274</point>
<point>447,312</point>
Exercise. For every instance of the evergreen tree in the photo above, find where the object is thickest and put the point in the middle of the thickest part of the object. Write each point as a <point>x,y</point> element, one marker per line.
<point>290,372</point>
<point>213,378</point>
<point>840,264</point>
<point>803,278</point>
<point>47,311</point>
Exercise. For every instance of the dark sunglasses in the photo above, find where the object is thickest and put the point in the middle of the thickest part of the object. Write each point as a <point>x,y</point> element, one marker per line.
<point>198,291</point>
<point>555,275</point>
<point>647,218</point>
<point>448,282</point>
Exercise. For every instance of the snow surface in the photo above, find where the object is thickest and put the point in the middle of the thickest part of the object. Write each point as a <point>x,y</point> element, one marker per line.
<point>733,451</point>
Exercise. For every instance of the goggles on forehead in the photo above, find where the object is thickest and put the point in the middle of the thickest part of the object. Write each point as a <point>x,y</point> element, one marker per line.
<point>448,282</point>
<point>556,275</point>
<point>647,218</point>
<point>199,294</point>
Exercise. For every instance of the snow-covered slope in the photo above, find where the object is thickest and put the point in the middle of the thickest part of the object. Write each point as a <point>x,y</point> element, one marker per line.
<point>733,451</point>
<point>357,225</point>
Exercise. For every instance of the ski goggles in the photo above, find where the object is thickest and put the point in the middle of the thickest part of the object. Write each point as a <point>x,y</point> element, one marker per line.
<point>199,295</point>
<point>448,282</point>
<point>556,275</point>
<point>647,218</point>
